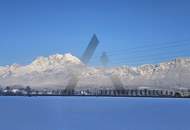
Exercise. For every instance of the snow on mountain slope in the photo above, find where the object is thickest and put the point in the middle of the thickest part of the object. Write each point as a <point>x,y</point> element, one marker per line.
<point>57,71</point>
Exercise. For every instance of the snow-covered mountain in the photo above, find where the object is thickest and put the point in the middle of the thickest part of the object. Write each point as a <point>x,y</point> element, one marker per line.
<point>58,71</point>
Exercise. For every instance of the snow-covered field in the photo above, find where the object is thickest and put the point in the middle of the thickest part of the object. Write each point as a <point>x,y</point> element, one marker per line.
<point>57,71</point>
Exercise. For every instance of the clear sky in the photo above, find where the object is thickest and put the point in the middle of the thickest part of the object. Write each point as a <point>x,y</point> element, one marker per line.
<point>130,31</point>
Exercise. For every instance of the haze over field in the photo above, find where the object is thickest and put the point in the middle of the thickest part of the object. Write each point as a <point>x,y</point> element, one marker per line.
<point>56,71</point>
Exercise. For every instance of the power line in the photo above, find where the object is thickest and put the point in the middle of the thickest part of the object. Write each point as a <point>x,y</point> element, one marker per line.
<point>154,46</point>
<point>152,51</point>
<point>158,53</point>
<point>143,60</point>
<point>155,53</point>
<point>145,48</point>
<point>138,59</point>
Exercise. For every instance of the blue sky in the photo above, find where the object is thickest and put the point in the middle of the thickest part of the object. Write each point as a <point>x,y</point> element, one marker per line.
<point>130,31</point>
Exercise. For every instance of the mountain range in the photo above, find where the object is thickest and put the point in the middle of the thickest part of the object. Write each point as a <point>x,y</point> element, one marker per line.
<point>58,71</point>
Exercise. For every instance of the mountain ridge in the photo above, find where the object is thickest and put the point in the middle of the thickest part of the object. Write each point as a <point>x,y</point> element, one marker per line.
<point>58,70</point>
